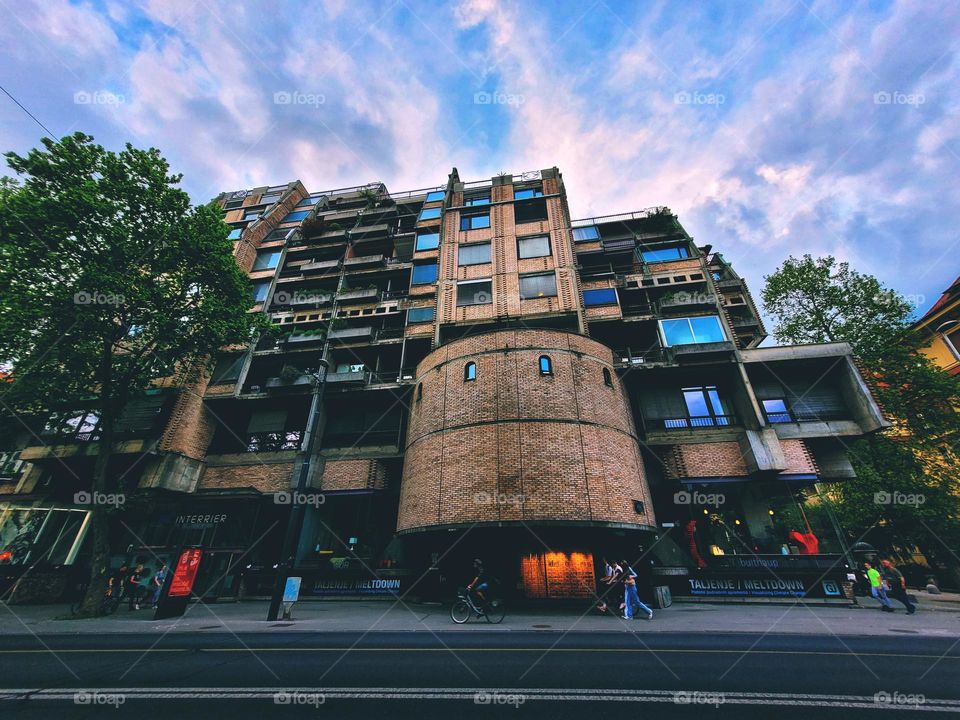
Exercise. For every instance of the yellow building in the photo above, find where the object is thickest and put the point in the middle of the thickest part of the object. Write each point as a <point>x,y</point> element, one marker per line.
<point>941,327</point>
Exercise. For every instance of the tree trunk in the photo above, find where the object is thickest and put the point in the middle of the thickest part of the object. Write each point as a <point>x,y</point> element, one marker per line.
<point>100,512</point>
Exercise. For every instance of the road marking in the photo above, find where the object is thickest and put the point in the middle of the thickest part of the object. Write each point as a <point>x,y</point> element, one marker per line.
<point>41,651</point>
<point>480,696</point>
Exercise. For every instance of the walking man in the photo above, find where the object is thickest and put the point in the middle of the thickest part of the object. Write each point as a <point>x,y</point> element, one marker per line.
<point>897,585</point>
<point>877,589</point>
<point>133,587</point>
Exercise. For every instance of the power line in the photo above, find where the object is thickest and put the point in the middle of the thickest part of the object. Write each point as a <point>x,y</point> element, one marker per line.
<point>27,112</point>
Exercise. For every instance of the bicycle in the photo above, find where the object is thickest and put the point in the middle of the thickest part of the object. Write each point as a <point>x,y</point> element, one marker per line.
<point>492,610</point>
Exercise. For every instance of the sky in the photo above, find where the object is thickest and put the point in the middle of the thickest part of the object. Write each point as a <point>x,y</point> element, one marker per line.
<point>771,129</point>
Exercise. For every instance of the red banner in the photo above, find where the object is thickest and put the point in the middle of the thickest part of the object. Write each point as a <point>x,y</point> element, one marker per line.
<point>186,573</point>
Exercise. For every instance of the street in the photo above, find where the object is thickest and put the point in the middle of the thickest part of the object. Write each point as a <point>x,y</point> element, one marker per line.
<point>533,674</point>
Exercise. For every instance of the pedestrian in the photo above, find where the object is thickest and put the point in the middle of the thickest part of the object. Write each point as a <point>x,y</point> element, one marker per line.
<point>631,598</point>
<point>603,585</point>
<point>877,588</point>
<point>896,585</point>
<point>157,583</point>
<point>133,587</point>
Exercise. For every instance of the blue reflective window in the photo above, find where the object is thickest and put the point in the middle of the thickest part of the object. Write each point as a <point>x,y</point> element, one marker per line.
<point>296,215</point>
<point>525,193</point>
<point>684,331</point>
<point>428,241</point>
<point>470,371</point>
<point>435,195</point>
<point>602,296</point>
<point>260,290</point>
<point>430,213</point>
<point>308,202</point>
<point>424,274</point>
<point>235,234</point>
<point>419,315</point>
<point>776,411</point>
<point>546,365</point>
<point>474,222</point>
<point>664,254</point>
<point>266,260</point>
<point>582,234</point>
<point>477,199</point>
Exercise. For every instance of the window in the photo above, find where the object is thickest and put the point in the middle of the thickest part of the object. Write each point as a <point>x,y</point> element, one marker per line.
<point>435,196</point>
<point>427,241</point>
<point>536,246</point>
<point>686,331</point>
<point>235,234</point>
<point>478,199</point>
<point>664,254</point>
<point>475,222</point>
<point>600,296</point>
<point>715,275</point>
<point>534,210</point>
<point>266,260</point>
<point>607,378</point>
<point>308,202</point>
<point>279,234</point>
<point>528,192</point>
<point>776,411</point>
<point>419,315</point>
<point>296,215</point>
<point>260,290</point>
<point>546,365</point>
<point>584,234</point>
<point>254,215</point>
<point>475,254</point>
<point>477,292</point>
<point>419,392</point>
<point>430,213</point>
<point>470,371</point>
<point>541,285</point>
<point>270,199</point>
<point>227,370</point>
<point>704,409</point>
<point>424,274</point>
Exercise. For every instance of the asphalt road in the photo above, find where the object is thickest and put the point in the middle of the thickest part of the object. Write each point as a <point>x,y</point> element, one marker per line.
<point>465,675</point>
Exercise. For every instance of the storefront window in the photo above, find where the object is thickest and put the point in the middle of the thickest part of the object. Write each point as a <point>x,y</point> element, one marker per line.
<point>40,534</point>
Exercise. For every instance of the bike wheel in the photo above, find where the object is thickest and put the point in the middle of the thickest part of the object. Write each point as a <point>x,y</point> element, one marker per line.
<point>460,612</point>
<point>495,612</point>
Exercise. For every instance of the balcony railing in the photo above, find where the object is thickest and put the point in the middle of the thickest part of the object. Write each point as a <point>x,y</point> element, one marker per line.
<point>795,415</point>
<point>358,294</point>
<point>693,421</point>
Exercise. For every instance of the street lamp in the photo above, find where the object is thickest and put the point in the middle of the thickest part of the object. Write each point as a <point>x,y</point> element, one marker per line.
<point>297,508</point>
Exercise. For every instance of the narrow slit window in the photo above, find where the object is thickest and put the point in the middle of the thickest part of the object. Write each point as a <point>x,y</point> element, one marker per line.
<point>470,371</point>
<point>546,365</point>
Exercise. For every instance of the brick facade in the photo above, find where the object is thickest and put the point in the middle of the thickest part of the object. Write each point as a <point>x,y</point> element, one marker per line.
<point>515,444</point>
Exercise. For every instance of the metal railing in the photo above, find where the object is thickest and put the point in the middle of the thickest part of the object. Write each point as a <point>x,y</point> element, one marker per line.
<point>621,217</point>
<point>696,421</point>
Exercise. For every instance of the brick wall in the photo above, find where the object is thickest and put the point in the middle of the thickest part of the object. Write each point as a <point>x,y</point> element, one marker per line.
<point>517,445</point>
<point>267,478</point>
<point>361,474</point>
<point>719,459</point>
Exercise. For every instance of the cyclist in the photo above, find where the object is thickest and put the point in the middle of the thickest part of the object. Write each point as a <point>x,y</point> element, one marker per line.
<point>479,583</point>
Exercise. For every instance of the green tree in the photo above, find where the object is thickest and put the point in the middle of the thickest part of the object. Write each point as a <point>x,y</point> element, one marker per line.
<point>821,300</point>
<point>111,280</point>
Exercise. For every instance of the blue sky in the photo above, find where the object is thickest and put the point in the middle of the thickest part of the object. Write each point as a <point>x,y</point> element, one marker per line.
<point>770,128</point>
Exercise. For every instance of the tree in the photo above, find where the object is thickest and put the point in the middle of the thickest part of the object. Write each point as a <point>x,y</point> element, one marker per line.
<point>821,300</point>
<point>112,281</point>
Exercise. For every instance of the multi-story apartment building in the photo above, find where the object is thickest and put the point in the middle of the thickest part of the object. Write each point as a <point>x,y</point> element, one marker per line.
<point>489,379</point>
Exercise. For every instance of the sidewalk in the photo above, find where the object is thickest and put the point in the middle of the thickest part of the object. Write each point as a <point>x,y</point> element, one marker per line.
<point>937,616</point>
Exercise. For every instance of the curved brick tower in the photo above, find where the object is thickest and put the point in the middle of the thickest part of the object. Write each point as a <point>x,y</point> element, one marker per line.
<point>512,442</point>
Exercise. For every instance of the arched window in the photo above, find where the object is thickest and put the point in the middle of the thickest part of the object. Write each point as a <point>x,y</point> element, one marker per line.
<point>470,371</point>
<point>607,379</point>
<point>419,392</point>
<point>546,365</point>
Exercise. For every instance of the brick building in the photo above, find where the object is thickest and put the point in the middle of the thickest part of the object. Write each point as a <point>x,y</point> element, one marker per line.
<point>493,379</point>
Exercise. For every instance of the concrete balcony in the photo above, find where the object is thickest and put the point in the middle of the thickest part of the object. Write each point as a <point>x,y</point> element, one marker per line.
<point>353,334</point>
<point>698,351</point>
<point>362,261</point>
<point>359,295</point>
<point>351,377</point>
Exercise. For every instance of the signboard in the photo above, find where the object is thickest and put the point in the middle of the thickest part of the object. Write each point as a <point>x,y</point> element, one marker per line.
<point>186,573</point>
<point>291,591</point>
<point>723,583</point>
<point>357,586</point>
<point>179,586</point>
